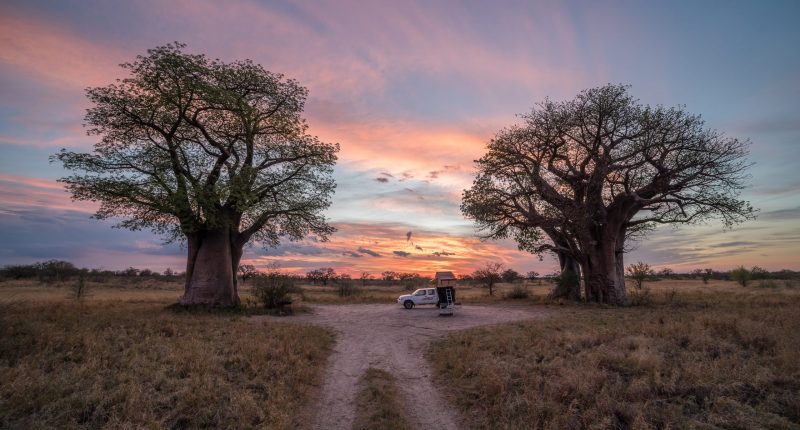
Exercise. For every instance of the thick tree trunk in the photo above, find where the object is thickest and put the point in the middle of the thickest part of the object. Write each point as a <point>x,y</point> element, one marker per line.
<point>210,269</point>
<point>603,273</point>
<point>569,287</point>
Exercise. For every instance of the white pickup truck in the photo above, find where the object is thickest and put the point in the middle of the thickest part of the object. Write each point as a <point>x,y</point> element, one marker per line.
<point>423,296</point>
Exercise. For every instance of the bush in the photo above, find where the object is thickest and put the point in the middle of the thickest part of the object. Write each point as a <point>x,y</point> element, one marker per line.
<point>640,297</point>
<point>272,287</point>
<point>567,285</point>
<point>518,292</point>
<point>740,275</point>
<point>345,286</point>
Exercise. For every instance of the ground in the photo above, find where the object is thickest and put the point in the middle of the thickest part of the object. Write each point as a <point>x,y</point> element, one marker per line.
<point>688,355</point>
<point>391,338</point>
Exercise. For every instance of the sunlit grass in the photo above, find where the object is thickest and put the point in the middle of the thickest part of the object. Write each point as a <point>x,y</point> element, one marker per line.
<point>119,358</point>
<point>698,356</point>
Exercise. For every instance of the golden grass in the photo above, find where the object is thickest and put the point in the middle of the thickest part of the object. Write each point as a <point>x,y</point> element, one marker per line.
<point>378,403</point>
<point>119,359</point>
<point>701,356</point>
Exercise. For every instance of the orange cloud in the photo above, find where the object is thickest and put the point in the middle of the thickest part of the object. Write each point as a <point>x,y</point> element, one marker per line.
<point>375,248</point>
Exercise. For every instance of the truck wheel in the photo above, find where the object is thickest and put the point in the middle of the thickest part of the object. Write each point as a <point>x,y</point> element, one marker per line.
<point>408,304</point>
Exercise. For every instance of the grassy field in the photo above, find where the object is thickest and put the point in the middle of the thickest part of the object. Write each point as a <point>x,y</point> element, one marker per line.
<point>120,359</point>
<point>698,356</point>
<point>693,355</point>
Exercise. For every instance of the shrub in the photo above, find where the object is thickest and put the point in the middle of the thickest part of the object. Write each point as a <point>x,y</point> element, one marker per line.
<point>567,285</point>
<point>640,297</point>
<point>518,292</point>
<point>740,275</point>
<point>345,286</point>
<point>272,288</point>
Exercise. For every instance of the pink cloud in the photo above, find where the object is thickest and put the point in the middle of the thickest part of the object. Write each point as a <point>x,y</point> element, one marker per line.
<point>28,192</point>
<point>55,54</point>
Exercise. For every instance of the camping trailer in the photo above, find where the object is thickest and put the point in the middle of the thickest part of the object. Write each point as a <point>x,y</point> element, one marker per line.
<point>445,289</point>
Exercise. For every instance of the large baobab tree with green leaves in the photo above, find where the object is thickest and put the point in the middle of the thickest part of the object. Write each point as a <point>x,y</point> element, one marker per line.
<point>580,177</point>
<point>211,153</point>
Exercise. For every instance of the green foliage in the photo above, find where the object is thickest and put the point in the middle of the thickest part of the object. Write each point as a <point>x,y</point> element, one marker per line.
<point>188,144</point>
<point>740,275</point>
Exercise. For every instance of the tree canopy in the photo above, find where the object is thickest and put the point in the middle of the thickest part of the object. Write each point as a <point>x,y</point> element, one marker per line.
<point>190,146</point>
<point>579,177</point>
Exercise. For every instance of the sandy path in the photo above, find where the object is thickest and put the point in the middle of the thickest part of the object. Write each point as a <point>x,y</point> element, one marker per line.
<point>391,338</point>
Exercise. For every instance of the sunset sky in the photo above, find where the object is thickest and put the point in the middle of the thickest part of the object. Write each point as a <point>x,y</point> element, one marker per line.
<point>412,92</point>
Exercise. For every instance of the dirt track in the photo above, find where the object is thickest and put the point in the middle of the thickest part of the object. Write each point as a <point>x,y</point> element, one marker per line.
<point>391,338</point>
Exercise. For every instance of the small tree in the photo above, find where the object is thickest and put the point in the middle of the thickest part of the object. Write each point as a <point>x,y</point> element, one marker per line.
<point>389,276</point>
<point>758,272</point>
<point>532,275</point>
<point>740,275</point>
<point>666,273</point>
<point>322,275</point>
<point>638,273</point>
<point>365,276</point>
<point>489,275</point>
<point>247,271</point>
<point>704,274</point>
<point>510,276</point>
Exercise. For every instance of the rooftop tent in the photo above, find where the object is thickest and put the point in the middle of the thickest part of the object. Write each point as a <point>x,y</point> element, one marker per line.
<point>445,289</point>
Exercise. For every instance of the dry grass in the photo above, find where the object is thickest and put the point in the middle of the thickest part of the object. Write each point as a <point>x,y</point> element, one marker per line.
<point>701,356</point>
<point>119,359</point>
<point>388,294</point>
<point>378,403</point>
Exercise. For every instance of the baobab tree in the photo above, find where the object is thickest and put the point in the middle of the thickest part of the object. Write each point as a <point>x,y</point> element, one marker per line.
<point>210,153</point>
<point>580,177</point>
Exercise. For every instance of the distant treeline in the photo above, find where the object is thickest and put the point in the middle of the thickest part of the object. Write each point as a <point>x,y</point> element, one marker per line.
<point>60,271</point>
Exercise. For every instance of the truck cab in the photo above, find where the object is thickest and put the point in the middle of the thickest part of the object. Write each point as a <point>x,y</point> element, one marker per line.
<point>423,296</point>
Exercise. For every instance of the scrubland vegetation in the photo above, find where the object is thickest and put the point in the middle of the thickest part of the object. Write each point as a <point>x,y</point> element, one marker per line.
<point>695,350</point>
<point>696,356</point>
<point>118,358</point>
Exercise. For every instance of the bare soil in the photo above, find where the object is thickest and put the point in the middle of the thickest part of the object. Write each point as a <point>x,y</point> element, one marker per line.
<point>393,339</point>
